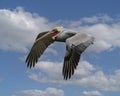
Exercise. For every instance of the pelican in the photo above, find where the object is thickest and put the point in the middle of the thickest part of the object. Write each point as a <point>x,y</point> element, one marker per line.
<point>76,44</point>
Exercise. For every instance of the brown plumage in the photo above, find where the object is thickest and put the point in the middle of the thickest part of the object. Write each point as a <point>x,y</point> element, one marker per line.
<point>75,45</point>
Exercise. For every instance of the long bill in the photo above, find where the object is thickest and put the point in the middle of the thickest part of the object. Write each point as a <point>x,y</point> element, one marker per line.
<point>47,34</point>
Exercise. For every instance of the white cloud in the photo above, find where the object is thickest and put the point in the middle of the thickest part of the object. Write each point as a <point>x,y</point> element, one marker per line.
<point>92,93</point>
<point>52,72</point>
<point>86,75</point>
<point>48,72</point>
<point>97,19</point>
<point>47,92</point>
<point>13,95</point>
<point>106,36</point>
<point>50,50</point>
<point>19,28</point>
<point>104,28</point>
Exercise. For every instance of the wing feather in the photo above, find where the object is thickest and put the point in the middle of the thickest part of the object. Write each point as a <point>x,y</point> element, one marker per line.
<point>38,48</point>
<point>73,54</point>
<point>70,64</point>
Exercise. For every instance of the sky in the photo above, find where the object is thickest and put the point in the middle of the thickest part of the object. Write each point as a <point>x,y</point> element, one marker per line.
<point>98,72</point>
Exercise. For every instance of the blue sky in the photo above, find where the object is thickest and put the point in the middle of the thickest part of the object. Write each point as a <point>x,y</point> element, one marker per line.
<point>98,73</point>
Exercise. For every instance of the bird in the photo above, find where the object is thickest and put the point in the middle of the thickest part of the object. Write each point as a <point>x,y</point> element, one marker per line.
<point>76,44</point>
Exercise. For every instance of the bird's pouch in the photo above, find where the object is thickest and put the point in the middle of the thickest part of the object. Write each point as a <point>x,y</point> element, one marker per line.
<point>80,42</point>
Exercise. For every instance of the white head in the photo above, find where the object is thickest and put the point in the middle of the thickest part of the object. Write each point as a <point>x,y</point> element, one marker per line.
<point>56,31</point>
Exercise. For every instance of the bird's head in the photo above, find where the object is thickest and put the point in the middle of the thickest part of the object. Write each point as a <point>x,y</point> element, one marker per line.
<point>56,31</point>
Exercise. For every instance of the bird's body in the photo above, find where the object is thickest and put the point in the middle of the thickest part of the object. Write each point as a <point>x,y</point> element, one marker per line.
<point>76,43</point>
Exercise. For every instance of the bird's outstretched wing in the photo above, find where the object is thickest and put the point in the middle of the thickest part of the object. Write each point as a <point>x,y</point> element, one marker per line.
<point>39,46</point>
<point>72,57</point>
<point>70,63</point>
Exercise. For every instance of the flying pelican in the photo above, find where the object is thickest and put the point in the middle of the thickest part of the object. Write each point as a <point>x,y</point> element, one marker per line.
<point>76,43</point>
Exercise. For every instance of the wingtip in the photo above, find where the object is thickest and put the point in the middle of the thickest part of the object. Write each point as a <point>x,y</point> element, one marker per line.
<point>67,77</point>
<point>28,65</point>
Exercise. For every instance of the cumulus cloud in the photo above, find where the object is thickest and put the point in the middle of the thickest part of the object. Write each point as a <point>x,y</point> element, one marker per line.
<point>47,92</point>
<point>104,28</point>
<point>19,28</point>
<point>46,74</point>
<point>97,19</point>
<point>86,75</point>
<point>107,36</point>
<point>92,93</point>
<point>50,50</point>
